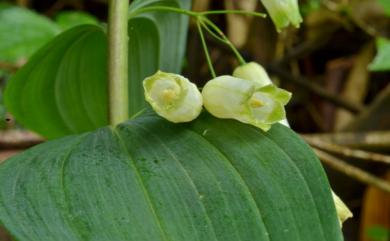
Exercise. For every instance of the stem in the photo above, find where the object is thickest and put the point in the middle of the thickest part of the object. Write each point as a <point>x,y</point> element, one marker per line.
<point>205,22</point>
<point>162,8</point>
<point>195,14</point>
<point>118,61</point>
<point>212,33</point>
<point>240,12</point>
<point>206,51</point>
<point>226,40</point>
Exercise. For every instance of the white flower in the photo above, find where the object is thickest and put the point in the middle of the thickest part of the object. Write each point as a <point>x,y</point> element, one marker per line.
<point>173,97</point>
<point>245,100</point>
<point>255,72</point>
<point>283,12</point>
<point>342,210</point>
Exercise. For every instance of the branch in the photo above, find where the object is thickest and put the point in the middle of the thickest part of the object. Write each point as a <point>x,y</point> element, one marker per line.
<point>15,139</point>
<point>371,140</point>
<point>352,171</point>
<point>348,152</point>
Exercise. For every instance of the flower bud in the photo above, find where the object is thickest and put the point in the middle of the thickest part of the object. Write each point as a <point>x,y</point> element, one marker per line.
<point>245,100</point>
<point>173,97</point>
<point>283,12</point>
<point>252,71</point>
<point>342,210</point>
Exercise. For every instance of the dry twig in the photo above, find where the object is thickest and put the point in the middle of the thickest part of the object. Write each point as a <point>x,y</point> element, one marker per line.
<point>348,152</point>
<point>370,140</point>
<point>352,171</point>
<point>16,139</point>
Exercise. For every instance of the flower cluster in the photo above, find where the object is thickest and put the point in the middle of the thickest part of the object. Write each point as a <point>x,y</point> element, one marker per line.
<point>248,96</point>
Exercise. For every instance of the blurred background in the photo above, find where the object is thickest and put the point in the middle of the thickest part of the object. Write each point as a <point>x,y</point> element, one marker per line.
<point>337,65</point>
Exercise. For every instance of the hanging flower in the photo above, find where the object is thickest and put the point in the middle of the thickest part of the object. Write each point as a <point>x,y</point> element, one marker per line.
<point>245,100</point>
<point>255,72</point>
<point>283,12</point>
<point>173,97</point>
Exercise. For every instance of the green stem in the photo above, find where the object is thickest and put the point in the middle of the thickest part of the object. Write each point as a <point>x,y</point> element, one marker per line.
<point>202,20</point>
<point>194,14</point>
<point>240,12</point>
<point>118,61</point>
<point>206,51</point>
<point>226,39</point>
<point>163,8</point>
<point>211,32</point>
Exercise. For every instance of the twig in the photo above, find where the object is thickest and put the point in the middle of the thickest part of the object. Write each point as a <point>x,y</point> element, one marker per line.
<point>348,152</point>
<point>15,139</point>
<point>316,89</point>
<point>371,140</point>
<point>9,66</point>
<point>352,171</point>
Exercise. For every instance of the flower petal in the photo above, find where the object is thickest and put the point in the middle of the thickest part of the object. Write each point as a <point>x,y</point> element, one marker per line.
<point>173,97</point>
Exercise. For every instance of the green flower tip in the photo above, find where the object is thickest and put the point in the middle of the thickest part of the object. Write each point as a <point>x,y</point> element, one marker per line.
<point>173,97</point>
<point>342,210</point>
<point>252,99</point>
<point>283,12</point>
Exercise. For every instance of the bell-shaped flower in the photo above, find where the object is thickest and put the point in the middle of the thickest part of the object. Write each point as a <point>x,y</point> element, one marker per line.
<point>255,72</point>
<point>342,210</point>
<point>173,97</point>
<point>283,12</point>
<point>245,100</point>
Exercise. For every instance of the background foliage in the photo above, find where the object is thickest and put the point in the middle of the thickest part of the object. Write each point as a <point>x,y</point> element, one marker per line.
<point>342,49</point>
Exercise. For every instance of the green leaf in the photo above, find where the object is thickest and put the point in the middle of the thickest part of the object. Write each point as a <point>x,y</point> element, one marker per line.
<point>64,84</point>
<point>62,89</point>
<point>382,58</point>
<point>378,233</point>
<point>386,6</point>
<point>69,19</point>
<point>148,179</point>
<point>22,32</point>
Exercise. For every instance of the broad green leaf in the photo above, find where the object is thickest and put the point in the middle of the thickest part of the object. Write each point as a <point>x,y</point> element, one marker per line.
<point>148,179</point>
<point>64,84</point>
<point>22,32</point>
<point>62,89</point>
<point>69,19</point>
<point>382,58</point>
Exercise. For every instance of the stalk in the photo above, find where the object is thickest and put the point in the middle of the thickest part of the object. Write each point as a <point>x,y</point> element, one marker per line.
<point>118,61</point>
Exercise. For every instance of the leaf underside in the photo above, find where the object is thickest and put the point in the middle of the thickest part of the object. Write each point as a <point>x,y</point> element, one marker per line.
<point>62,90</point>
<point>151,180</point>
